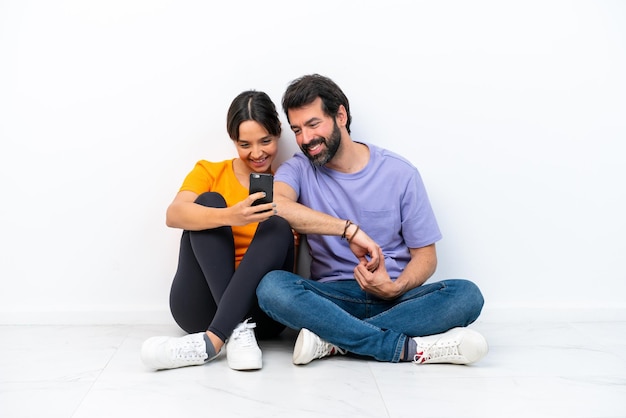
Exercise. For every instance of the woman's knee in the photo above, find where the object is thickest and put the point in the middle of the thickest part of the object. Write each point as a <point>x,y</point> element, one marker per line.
<point>276,226</point>
<point>190,322</point>
<point>211,199</point>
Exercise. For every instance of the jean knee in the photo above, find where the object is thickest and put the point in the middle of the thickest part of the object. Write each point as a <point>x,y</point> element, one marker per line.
<point>277,289</point>
<point>473,298</point>
<point>265,288</point>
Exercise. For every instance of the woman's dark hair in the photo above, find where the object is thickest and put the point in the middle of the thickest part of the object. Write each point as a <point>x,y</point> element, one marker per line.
<point>304,90</point>
<point>252,105</point>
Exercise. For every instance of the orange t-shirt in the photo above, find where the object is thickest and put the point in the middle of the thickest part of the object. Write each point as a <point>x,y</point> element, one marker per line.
<point>220,177</point>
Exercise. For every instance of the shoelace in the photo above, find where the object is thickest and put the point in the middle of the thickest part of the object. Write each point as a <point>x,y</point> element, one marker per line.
<point>244,334</point>
<point>324,349</point>
<point>190,350</point>
<point>433,351</point>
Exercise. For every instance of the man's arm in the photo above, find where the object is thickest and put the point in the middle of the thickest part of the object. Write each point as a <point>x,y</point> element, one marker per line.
<point>308,221</point>
<point>422,265</point>
<point>301,218</point>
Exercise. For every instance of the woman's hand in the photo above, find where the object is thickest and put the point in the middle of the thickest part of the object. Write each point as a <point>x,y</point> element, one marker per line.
<point>184,213</point>
<point>243,213</point>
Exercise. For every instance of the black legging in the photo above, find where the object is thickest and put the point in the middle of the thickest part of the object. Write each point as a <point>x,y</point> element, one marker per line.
<point>209,294</point>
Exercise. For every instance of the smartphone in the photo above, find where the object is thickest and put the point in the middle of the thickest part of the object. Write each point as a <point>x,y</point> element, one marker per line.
<point>262,182</point>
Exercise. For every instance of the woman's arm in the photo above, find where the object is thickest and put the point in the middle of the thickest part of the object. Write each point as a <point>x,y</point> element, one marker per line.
<point>184,213</point>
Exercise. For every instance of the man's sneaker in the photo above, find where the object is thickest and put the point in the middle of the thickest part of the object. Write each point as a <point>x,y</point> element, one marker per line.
<point>242,351</point>
<point>310,347</point>
<point>457,346</point>
<point>169,352</point>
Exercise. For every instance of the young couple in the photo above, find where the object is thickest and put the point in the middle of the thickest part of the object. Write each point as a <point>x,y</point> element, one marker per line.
<point>371,233</point>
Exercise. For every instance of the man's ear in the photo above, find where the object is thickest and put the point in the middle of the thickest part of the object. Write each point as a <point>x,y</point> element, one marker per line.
<point>342,116</point>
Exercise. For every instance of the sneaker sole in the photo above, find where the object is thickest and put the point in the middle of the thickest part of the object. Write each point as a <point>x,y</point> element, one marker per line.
<point>253,364</point>
<point>303,337</point>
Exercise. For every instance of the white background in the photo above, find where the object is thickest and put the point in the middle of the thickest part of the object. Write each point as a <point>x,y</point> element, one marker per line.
<point>514,113</point>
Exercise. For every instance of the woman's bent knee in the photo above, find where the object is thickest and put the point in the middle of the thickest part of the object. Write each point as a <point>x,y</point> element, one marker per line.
<point>211,200</point>
<point>277,227</point>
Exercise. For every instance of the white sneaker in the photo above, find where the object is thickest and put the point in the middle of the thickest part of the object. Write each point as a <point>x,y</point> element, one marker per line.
<point>242,350</point>
<point>457,346</point>
<point>310,347</point>
<point>169,352</point>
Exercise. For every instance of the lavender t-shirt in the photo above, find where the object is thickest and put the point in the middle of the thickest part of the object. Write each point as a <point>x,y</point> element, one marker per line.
<point>387,199</point>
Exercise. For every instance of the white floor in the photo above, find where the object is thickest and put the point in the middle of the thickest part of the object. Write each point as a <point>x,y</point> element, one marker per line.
<point>532,370</point>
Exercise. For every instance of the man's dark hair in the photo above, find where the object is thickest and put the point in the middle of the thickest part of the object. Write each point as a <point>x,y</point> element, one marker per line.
<point>304,90</point>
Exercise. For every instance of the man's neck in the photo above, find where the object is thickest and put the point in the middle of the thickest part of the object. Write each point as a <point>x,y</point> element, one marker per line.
<point>351,156</point>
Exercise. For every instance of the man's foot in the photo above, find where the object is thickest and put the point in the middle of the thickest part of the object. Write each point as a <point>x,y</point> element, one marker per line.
<point>169,352</point>
<point>310,347</point>
<point>242,350</point>
<point>457,346</point>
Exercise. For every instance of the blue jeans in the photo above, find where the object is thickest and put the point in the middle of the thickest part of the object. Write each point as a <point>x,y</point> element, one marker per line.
<point>341,313</point>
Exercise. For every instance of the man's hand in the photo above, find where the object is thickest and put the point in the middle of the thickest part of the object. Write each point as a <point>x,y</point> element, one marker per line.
<point>362,246</point>
<point>377,282</point>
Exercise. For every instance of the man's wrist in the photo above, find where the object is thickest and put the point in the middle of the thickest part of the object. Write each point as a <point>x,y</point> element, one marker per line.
<point>351,232</point>
<point>345,228</point>
<point>348,231</point>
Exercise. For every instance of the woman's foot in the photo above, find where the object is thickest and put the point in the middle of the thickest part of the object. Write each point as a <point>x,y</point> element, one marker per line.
<point>242,350</point>
<point>169,352</point>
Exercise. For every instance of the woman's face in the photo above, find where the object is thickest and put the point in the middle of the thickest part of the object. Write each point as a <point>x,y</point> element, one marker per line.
<point>256,147</point>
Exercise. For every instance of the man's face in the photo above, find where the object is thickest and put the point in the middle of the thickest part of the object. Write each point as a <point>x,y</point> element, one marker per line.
<point>317,134</point>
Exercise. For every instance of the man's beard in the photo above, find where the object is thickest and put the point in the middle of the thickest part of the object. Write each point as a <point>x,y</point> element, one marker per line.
<point>332,145</point>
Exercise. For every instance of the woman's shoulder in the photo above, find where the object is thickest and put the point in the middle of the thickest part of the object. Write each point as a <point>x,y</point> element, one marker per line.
<point>206,174</point>
<point>215,166</point>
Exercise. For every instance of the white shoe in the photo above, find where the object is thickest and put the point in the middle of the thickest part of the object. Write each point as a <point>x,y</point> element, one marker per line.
<point>169,352</point>
<point>310,347</point>
<point>457,346</point>
<point>242,350</point>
